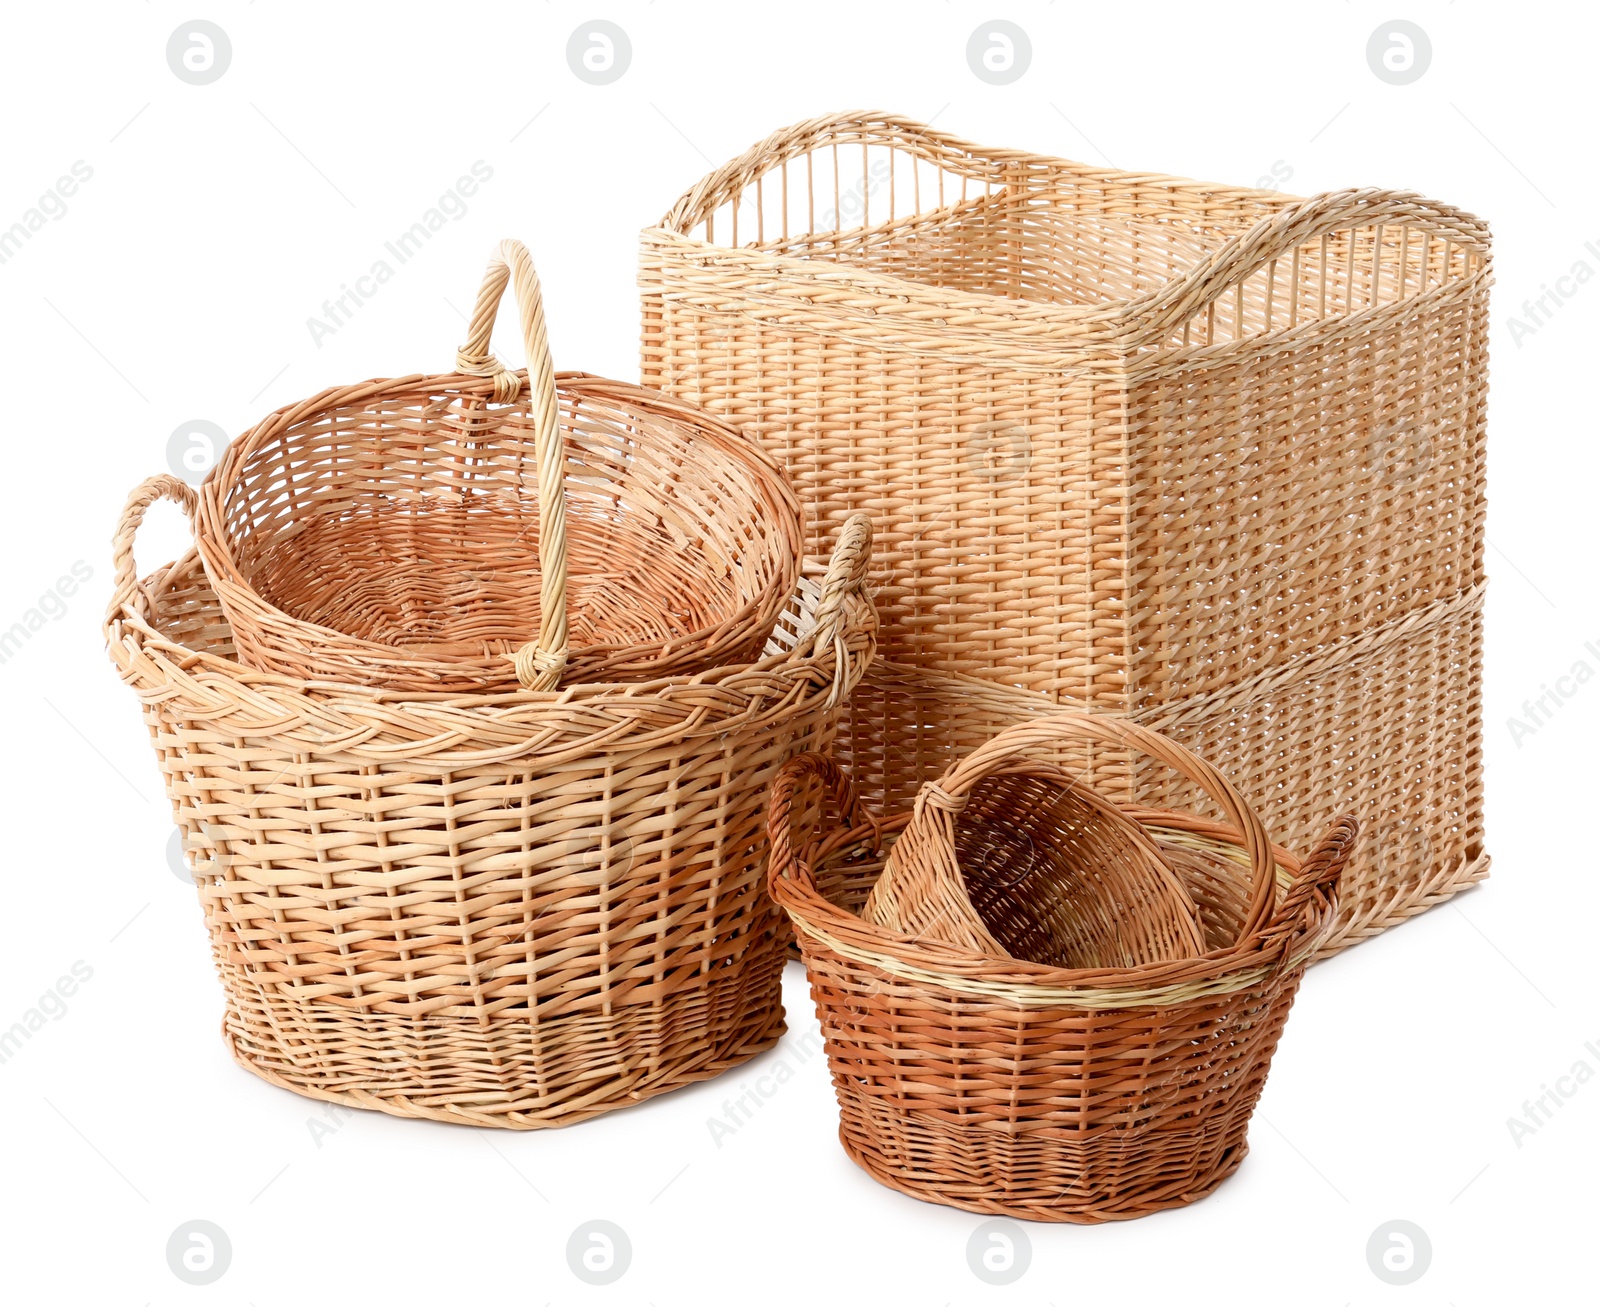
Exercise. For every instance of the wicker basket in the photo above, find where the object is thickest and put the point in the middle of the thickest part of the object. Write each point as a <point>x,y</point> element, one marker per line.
<point>1023,1090</point>
<point>1025,862</point>
<point>1208,457</point>
<point>411,533</point>
<point>514,910</point>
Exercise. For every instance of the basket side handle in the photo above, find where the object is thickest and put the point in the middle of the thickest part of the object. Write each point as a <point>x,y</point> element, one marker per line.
<point>1026,739</point>
<point>541,660</point>
<point>1316,888</point>
<point>846,576</point>
<point>782,861</point>
<point>869,127</point>
<point>1164,310</point>
<point>144,494</point>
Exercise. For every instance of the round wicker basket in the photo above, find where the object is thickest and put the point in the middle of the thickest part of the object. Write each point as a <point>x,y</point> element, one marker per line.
<point>518,909</point>
<point>481,529</point>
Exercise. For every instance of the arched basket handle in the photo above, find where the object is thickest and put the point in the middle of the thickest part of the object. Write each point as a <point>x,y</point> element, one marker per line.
<point>541,660</point>
<point>144,494</point>
<point>1029,740</point>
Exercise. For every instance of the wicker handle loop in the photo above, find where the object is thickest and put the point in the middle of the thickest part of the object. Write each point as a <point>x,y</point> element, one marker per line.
<point>1278,235</point>
<point>728,182</point>
<point>539,662</point>
<point>1028,740</point>
<point>1317,884</point>
<point>144,494</point>
<point>783,863</point>
<point>846,575</point>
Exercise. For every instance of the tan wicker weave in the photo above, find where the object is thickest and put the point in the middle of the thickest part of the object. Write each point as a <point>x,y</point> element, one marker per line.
<point>513,910</point>
<point>1024,862</point>
<point>1426,821</point>
<point>415,533</point>
<point>1022,1090</point>
<point>1208,457</point>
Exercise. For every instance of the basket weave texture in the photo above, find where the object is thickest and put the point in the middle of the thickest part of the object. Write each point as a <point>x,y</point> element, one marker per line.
<point>1018,1089</point>
<point>514,910</point>
<point>1417,854</point>
<point>414,533</point>
<point>1027,863</point>
<point>1208,457</point>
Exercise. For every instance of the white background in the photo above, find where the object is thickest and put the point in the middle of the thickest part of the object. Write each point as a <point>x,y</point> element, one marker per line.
<point>177,286</point>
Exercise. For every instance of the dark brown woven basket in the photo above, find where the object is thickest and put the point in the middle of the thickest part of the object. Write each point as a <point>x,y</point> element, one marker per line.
<point>1025,1090</point>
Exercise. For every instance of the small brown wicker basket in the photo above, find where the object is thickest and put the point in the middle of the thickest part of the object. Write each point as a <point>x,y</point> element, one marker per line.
<point>1019,1089</point>
<point>415,533</point>
<point>1028,863</point>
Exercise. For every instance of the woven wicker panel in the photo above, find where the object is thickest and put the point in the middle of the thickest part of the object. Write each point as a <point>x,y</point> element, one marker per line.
<point>1391,730</point>
<point>1388,727</point>
<point>1276,507</point>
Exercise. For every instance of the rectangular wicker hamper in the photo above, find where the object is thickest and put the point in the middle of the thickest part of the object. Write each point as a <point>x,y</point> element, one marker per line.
<point>1207,456</point>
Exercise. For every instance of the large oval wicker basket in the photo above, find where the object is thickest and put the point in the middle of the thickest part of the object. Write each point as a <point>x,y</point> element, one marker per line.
<point>512,910</point>
<point>1025,1090</point>
<point>477,529</point>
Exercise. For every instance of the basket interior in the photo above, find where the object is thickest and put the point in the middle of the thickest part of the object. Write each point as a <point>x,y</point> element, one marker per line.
<point>1215,875</point>
<point>182,607</point>
<point>1062,880</point>
<point>412,520</point>
<point>1041,248</point>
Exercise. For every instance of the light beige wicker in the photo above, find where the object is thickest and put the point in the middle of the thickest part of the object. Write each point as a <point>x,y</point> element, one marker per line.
<point>512,910</point>
<point>1035,1091</point>
<point>1209,457</point>
<point>413,533</point>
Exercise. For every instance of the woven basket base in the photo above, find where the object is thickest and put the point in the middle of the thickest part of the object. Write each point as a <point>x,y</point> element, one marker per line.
<point>507,1072</point>
<point>976,1197</point>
